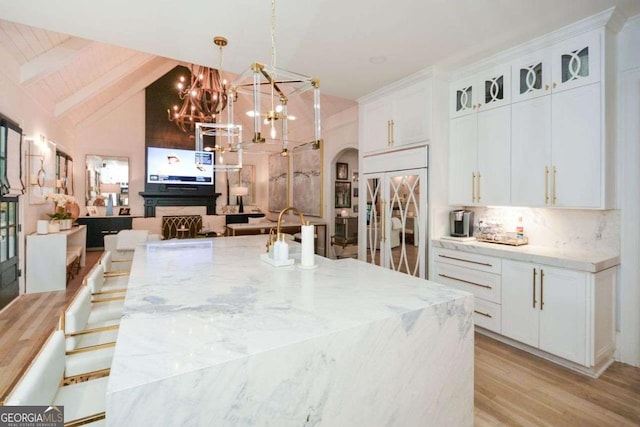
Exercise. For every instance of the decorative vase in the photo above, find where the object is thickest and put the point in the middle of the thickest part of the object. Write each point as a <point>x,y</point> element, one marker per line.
<point>66,224</point>
<point>110,206</point>
<point>54,226</point>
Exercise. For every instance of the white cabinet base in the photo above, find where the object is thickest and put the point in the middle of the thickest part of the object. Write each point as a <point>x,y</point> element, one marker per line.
<point>594,372</point>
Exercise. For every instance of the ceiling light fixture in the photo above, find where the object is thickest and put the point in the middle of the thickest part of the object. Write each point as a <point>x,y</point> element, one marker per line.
<point>204,97</point>
<point>279,85</point>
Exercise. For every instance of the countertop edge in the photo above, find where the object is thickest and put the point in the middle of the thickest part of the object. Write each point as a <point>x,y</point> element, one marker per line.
<point>592,262</point>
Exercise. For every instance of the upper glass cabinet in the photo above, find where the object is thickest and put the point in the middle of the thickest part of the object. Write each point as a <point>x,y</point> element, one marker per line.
<point>576,62</point>
<point>107,178</point>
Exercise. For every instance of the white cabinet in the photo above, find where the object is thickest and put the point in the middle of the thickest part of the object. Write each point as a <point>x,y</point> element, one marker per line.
<point>573,63</point>
<point>531,76</point>
<point>483,91</point>
<point>393,210</point>
<point>557,155</point>
<point>555,310</point>
<point>479,158</point>
<point>576,62</point>
<point>478,274</point>
<point>47,258</point>
<point>399,117</point>
<point>558,143</point>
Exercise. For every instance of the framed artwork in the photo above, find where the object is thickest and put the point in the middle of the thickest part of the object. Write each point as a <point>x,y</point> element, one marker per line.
<point>42,171</point>
<point>343,194</point>
<point>246,177</point>
<point>342,170</point>
<point>92,210</point>
<point>124,211</point>
<point>306,168</point>
<point>278,182</point>
<point>355,208</point>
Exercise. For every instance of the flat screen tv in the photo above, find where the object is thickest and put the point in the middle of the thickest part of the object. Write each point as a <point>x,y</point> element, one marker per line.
<point>174,166</point>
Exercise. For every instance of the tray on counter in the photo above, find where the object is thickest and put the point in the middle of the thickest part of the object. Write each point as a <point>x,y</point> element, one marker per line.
<point>504,240</point>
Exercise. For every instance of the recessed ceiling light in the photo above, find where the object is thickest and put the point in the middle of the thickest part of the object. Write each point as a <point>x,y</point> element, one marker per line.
<point>378,59</point>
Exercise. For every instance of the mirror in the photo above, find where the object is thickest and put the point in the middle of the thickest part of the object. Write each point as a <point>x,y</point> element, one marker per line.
<point>107,177</point>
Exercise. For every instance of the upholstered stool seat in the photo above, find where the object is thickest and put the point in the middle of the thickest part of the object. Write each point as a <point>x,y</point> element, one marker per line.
<point>41,385</point>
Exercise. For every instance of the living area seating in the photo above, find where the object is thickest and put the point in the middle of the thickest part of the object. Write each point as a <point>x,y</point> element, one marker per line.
<point>181,226</point>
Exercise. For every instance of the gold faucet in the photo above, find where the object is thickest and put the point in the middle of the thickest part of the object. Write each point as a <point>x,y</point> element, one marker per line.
<point>272,238</point>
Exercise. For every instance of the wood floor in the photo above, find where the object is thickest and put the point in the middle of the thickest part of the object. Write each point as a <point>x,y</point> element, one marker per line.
<point>512,387</point>
<point>27,322</point>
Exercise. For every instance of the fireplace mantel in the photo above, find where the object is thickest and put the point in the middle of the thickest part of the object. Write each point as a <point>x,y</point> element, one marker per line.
<point>154,199</point>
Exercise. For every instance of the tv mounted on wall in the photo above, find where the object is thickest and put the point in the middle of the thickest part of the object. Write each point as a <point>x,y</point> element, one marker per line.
<point>175,166</point>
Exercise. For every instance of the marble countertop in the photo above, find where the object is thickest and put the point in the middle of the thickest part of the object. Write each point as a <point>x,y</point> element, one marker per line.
<point>193,304</point>
<point>589,261</point>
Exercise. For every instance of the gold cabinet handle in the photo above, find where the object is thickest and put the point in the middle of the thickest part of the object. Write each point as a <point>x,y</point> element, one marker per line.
<point>479,105</point>
<point>478,193</point>
<point>465,260</point>
<point>535,273</point>
<point>554,85</point>
<point>541,289</point>
<point>464,281</point>
<point>483,314</point>
<point>553,188</point>
<point>475,106</point>
<point>546,87</point>
<point>546,185</point>
<point>388,132</point>
<point>392,132</point>
<point>473,187</point>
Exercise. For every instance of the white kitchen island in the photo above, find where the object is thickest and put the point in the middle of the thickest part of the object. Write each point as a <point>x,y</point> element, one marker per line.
<point>213,336</point>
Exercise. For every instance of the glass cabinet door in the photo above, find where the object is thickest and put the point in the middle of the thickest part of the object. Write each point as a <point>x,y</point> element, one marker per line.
<point>374,219</point>
<point>576,62</point>
<point>495,88</point>
<point>395,218</point>
<point>404,251</point>
<point>531,77</point>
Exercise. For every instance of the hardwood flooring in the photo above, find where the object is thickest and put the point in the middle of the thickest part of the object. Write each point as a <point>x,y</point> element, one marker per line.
<point>27,322</point>
<point>512,387</point>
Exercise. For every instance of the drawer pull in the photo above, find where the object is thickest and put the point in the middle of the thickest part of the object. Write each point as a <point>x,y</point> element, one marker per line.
<point>483,314</point>
<point>464,281</point>
<point>105,232</point>
<point>465,260</point>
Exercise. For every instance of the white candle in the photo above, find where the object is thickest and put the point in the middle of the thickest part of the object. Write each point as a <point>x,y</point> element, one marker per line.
<point>307,258</point>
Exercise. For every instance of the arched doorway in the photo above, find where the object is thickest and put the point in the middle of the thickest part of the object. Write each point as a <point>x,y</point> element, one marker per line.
<point>344,201</point>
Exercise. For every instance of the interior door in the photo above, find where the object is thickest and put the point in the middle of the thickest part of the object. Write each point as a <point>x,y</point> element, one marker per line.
<point>8,250</point>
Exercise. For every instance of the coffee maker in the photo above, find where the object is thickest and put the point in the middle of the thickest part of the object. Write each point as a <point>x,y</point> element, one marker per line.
<point>461,223</point>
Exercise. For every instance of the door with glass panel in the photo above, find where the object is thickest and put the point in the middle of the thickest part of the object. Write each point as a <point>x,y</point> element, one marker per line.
<point>396,219</point>
<point>8,250</point>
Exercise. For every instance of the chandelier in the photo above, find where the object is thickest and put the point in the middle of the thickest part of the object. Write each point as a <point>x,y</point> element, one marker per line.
<point>203,98</point>
<point>279,86</point>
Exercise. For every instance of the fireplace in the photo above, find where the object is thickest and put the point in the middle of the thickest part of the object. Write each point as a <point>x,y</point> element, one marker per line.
<point>153,200</point>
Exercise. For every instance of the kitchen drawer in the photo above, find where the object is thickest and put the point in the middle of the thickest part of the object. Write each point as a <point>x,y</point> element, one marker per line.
<point>480,283</point>
<point>468,260</point>
<point>487,315</point>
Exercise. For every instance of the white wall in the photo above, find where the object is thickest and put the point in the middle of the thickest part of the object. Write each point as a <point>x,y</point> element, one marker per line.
<point>629,191</point>
<point>35,120</point>
<point>120,132</point>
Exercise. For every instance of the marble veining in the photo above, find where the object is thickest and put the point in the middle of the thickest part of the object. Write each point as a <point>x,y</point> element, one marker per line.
<point>590,261</point>
<point>211,335</point>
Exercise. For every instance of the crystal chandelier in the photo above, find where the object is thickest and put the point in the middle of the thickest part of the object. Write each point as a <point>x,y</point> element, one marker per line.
<point>203,98</point>
<point>279,86</point>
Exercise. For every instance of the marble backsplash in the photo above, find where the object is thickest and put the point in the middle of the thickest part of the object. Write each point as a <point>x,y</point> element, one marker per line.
<point>560,228</point>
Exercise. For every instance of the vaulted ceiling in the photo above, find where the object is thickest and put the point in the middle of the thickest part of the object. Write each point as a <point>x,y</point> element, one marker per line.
<point>81,58</point>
